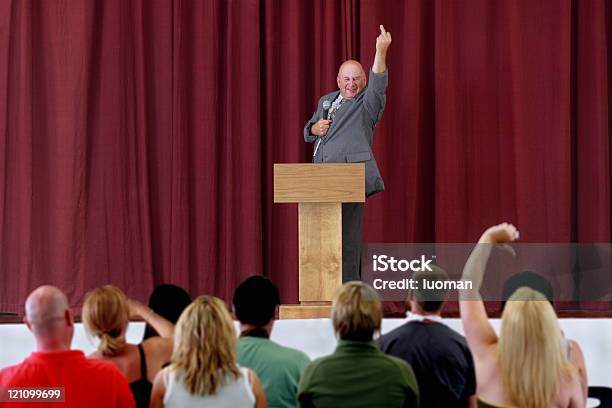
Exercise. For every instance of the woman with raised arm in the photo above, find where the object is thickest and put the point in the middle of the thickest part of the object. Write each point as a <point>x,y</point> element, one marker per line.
<point>204,372</point>
<point>529,365</point>
<point>106,314</point>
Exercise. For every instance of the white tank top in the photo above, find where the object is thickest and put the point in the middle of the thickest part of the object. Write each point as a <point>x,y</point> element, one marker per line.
<point>232,394</point>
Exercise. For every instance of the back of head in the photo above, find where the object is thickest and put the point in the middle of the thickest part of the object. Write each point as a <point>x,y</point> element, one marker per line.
<point>204,346</point>
<point>45,312</point>
<point>532,354</point>
<point>168,301</point>
<point>430,300</point>
<point>106,315</point>
<point>255,301</point>
<point>356,311</point>
<point>529,279</point>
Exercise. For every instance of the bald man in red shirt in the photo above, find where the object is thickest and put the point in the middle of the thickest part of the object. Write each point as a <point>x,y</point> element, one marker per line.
<point>84,382</point>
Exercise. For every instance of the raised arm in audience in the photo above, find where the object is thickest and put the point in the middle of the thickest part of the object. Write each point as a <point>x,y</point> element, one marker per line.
<point>164,327</point>
<point>478,331</point>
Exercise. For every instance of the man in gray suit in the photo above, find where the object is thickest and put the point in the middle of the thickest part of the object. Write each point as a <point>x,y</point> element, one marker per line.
<point>345,136</point>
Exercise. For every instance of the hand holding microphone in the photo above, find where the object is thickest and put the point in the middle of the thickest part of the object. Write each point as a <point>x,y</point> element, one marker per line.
<point>321,127</point>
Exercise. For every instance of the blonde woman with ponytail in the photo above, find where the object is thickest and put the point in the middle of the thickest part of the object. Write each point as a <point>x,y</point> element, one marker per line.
<point>106,314</point>
<point>530,364</point>
<point>204,372</point>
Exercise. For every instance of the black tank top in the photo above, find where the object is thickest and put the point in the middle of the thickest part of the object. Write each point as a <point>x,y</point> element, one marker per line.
<point>141,388</point>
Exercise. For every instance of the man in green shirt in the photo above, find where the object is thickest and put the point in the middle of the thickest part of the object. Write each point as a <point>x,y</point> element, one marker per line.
<point>358,374</point>
<point>255,303</point>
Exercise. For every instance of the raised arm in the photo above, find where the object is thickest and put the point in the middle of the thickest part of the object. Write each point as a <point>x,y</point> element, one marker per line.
<point>162,326</point>
<point>478,330</point>
<point>382,45</point>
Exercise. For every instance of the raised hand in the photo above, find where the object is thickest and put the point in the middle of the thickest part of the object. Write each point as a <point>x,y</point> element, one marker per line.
<point>383,40</point>
<point>500,234</point>
<point>382,45</point>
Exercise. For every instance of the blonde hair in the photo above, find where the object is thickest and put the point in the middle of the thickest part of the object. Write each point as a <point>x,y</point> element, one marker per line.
<point>105,315</point>
<point>356,311</point>
<point>532,355</point>
<point>205,346</point>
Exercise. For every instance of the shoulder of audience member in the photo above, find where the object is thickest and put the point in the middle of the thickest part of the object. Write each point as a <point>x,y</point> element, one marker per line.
<point>574,346</point>
<point>392,335</point>
<point>313,366</point>
<point>103,366</point>
<point>397,334</point>
<point>158,343</point>
<point>7,373</point>
<point>318,361</point>
<point>399,363</point>
<point>403,368</point>
<point>297,356</point>
<point>440,328</point>
<point>302,357</point>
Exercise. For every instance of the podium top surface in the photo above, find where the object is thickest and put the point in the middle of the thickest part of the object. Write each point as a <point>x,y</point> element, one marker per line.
<point>319,183</point>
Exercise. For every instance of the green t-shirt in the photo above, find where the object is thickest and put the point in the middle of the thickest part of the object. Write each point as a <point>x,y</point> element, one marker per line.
<point>356,375</point>
<point>279,368</point>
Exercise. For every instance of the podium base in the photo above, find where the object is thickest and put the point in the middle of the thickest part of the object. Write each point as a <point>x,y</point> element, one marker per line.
<point>321,310</point>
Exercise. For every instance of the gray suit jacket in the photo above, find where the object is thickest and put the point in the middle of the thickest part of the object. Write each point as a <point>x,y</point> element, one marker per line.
<point>349,139</point>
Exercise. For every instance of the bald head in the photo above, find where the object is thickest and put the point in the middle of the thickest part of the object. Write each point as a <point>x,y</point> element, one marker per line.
<point>350,65</point>
<point>47,312</point>
<point>351,79</point>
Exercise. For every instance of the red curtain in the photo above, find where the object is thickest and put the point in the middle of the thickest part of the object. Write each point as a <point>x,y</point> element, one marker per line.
<point>137,137</point>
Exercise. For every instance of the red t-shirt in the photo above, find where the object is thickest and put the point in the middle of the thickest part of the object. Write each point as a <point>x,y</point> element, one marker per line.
<point>87,383</point>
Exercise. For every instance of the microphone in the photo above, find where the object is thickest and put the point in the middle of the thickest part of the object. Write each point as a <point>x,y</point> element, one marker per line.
<point>326,106</point>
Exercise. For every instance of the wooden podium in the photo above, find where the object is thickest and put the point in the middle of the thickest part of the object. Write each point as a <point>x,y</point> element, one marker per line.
<point>319,190</point>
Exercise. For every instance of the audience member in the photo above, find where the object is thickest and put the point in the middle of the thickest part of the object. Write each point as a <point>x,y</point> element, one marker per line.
<point>168,301</point>
<point>256,302</point>
<point>358,374</point>
<point>106,314</point>
<point>86,383</point>
<point>531,280</point>
<point>439,356</point>
<point>204,371</point>
<point>540,284</point>
<point>528,364</point>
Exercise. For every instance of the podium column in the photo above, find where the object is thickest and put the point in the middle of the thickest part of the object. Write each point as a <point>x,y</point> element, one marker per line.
<point>319,190</point>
